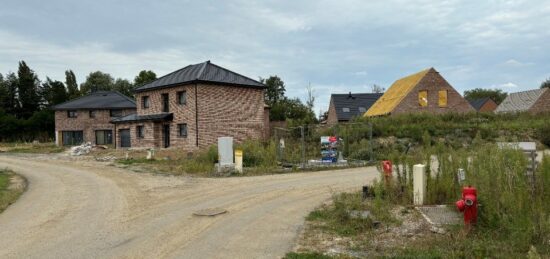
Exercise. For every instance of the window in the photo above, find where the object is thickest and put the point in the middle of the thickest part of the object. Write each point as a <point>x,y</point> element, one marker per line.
<point>165,103</point>
<point>145,102</point>
<point>103,137</point>
<point>443,98</point>
<point>92,114</point>
<point>116,113</point>
<point>182,130</point>
<point>72,113</point>
<point>345,109</point>
<point>362,109</point>
<point>182,98</point>
<point>423,98</point>
<point>139,131</point>
<point>71,138</point>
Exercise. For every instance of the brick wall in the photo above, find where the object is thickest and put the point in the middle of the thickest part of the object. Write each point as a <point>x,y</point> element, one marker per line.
<point>222,111</point>
<point>488,106</point>
<point>542,105</point>
<point>332,117</point>
<point>433,82</point>
<point>84,123</point>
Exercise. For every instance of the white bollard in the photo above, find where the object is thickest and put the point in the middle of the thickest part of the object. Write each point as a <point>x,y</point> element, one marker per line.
<point>419,184</point>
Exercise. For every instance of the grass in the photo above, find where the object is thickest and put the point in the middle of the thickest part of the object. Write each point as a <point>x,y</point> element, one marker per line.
<point>514,216</point>
<point>7,196</point>
<point>40,148</point>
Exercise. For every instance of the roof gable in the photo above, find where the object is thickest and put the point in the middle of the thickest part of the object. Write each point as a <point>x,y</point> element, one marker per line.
<point>478,103</point>
<point>520,101</point>
<point>354,103</point>
<point>395,94</point>
<point>206,72</point>
<point>99,100</point>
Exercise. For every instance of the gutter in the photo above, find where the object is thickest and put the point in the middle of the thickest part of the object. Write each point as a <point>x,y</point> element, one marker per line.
<point>196,117</point>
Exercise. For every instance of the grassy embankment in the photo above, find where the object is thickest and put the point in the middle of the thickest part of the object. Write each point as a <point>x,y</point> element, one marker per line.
<point>514,216</point>
<point>7,195</point>
<point>40,148</point>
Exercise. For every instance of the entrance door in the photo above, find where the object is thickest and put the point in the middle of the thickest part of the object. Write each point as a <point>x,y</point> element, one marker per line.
<point>166,135</point>
<point>125,138</point>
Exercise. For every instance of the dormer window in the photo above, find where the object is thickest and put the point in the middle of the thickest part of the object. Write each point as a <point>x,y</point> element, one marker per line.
<point>345,109</point>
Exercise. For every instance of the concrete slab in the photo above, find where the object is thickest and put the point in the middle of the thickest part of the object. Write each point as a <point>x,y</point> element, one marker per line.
<point>441,215</point>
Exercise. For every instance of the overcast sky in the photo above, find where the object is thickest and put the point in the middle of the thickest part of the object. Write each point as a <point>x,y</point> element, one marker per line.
<point>337,46</point>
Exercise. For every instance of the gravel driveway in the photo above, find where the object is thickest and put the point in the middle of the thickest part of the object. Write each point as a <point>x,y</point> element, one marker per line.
<point>83,209</point>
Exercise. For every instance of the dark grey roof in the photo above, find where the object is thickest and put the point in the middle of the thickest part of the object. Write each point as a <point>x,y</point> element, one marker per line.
<point>478,103</point>
<point>165,116</point>
<point>205,72</point>
<point>521,101</point>
<point>99,100</point>
<point>353,102</point>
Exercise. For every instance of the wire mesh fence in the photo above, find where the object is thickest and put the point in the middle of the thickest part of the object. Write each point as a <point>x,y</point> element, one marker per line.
<point>302,145</point>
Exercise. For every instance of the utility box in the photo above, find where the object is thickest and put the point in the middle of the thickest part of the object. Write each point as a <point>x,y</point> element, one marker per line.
<point>225,153</point>
<point>419,184</point>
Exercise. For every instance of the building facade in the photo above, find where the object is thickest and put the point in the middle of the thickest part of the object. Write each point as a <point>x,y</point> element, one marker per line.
<point>194,106</point>
<point>88,118</point>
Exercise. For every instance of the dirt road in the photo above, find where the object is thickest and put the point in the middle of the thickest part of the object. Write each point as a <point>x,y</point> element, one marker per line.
<point>92,210</point>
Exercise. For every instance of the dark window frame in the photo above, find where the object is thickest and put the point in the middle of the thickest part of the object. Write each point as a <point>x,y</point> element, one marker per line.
<point>180,127</point>
<point>72,137</point>
<point>117,110</point>
<point>145,102</point>
<point>107,137</point>
<point>91,114</point>
<point>72,113</point>
<point>165,98</point>
<point>140,131</point>
<point>180,95</point>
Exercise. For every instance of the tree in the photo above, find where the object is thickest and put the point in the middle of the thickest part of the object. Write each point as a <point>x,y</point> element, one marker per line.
<point>496,95</point>
<point>144,77</point>
<point>72,86</point>
<point>10,104</point>
<point>97,81</point>
<point>310,97</point>
<point>377,89</point>
<point>54,92</point>
<point>124,87</point>
<point>28,89</point>
<point>545,84</point>
<point>275,89</point>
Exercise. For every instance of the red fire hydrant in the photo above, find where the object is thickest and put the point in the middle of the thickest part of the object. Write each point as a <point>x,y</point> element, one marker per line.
<point>387,168</point>
<point>468,205</point>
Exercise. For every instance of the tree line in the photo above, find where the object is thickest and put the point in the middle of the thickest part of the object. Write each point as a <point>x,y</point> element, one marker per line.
<point>26,102</point>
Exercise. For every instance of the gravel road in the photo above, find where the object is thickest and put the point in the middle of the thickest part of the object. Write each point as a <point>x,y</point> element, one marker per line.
<point>83,209</point>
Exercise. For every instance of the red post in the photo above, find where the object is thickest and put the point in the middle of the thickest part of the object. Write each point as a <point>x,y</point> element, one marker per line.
<point>388,169</point>
<point>468,205</point>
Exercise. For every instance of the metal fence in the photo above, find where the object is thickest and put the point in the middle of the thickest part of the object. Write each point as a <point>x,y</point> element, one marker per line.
<point>301,145</point>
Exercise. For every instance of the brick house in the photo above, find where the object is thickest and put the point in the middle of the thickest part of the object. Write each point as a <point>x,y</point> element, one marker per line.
<point>193,106</point>
<point>483,104</point>
<point>425,91</point>
<point>343,107</point>
<point>88,118</point>
<point>532,101</point>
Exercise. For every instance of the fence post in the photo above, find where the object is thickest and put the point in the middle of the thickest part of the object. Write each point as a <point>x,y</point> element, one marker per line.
<point>303,147</point>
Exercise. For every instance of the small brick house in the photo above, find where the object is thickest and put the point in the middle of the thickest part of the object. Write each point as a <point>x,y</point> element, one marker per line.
<point>425,91</point>
<point>483,104</point>
<point>193,106</point>
<point>88,118</point>
<point>344,107</point>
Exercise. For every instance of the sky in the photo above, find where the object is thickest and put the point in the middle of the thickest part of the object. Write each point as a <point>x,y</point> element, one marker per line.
<point>336,46</point>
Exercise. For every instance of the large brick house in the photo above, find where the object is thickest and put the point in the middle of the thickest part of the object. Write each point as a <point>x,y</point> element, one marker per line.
<point>193,106</point>
<point>88,118</point>
<point>426,91</point>
<point>344,107</point>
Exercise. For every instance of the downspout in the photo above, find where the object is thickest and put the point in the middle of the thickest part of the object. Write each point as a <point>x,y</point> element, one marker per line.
<point>115,138</point>
<point>196,117</point>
